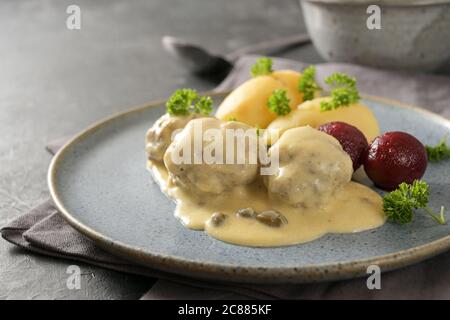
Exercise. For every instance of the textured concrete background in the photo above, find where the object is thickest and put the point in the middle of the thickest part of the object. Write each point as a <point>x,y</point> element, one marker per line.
<point>55,82</point>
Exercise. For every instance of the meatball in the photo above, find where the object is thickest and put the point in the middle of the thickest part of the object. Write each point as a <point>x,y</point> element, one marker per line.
<point>159,136</point>
<point>200,173</point>
<point>312,165</point>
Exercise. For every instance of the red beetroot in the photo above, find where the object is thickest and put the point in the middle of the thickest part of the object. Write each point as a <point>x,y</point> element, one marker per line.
<point>393,158</point>
<point>352,140</point>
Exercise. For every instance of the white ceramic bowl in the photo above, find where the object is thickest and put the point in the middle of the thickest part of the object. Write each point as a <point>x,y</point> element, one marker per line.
<point>414,34</point>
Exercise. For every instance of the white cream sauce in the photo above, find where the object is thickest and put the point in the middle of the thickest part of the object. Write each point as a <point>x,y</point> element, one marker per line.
<point>352,208</point>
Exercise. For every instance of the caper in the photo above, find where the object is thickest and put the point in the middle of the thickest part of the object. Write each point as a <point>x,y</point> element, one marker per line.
<point>246,213</point>
<point>271,218</point>
<point>218,218</point>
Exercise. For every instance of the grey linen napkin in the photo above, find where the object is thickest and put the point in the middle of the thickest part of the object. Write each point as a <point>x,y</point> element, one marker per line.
<point>43,229</point>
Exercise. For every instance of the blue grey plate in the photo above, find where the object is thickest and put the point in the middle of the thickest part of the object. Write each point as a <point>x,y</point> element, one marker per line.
<point>100,183</point>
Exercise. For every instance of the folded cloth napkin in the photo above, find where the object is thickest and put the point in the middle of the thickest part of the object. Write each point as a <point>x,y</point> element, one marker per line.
<point>43,229</point>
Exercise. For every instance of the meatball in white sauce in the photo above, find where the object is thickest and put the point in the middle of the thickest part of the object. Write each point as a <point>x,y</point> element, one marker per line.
<point>312,165</point>
<point>159,136</point>
<point>212,178</point>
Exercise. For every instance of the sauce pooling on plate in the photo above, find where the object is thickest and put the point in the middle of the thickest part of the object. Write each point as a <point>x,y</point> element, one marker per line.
<point>352,208</point>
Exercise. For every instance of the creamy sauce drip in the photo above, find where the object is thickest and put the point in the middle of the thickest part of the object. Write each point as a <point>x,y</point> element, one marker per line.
<point>352,208</point>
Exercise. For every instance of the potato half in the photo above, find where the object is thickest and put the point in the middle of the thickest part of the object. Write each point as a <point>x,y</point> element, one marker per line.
<point>308,113</point>
<point>248,102</point>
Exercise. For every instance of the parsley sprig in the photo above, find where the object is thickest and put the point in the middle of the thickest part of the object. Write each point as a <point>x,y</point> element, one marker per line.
<point>307,83</point>
<point>262,66</point>
<point>343,92</point>
<point>203,105</point>
<point>279,102</point>
<point>398,205</point>
<point>439,152</point>
<point>186,101</point>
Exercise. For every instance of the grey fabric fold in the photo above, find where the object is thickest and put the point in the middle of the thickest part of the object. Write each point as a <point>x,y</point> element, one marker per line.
<point>43,229</point>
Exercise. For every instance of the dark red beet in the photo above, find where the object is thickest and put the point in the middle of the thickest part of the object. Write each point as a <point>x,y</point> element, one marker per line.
<point>393,158</point>
<point>352,140</point>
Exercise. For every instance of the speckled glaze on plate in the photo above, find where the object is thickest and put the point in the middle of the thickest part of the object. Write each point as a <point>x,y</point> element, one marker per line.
<point>100,183</point>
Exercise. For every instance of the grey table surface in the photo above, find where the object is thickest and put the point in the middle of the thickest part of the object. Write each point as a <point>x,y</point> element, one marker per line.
<point>55,81</point>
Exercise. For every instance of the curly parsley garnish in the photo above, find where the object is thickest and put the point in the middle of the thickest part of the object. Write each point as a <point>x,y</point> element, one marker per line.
<point>439,152</point>
<point>262,66</point>
<point>398,205</point>
<point>343,92</point>
<point>307,83</point>
<point>203,105</point>
<point>186,101</point>
<point>279,102</point>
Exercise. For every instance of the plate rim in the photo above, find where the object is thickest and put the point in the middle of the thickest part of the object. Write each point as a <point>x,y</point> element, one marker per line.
<point>233,273</point>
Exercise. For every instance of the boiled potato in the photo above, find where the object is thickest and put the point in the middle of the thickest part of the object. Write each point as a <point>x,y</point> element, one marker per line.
<point>248,102</point>
<point>290,79</point>
<point>308,113</point>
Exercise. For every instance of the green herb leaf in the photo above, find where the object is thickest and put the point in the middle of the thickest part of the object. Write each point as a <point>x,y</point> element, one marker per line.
<point>307,83</point>
<point>186,101</point>
<point>439,152</point>
<point>279,102</point>
<point>180,102</point>
<point>398,205</point>
<point>343,92</point>
<point>262,66</point>
<point>203,105</point>
<point>232,119</point>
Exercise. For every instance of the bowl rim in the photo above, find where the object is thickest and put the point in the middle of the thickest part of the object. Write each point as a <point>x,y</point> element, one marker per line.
<point>391,3</point>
